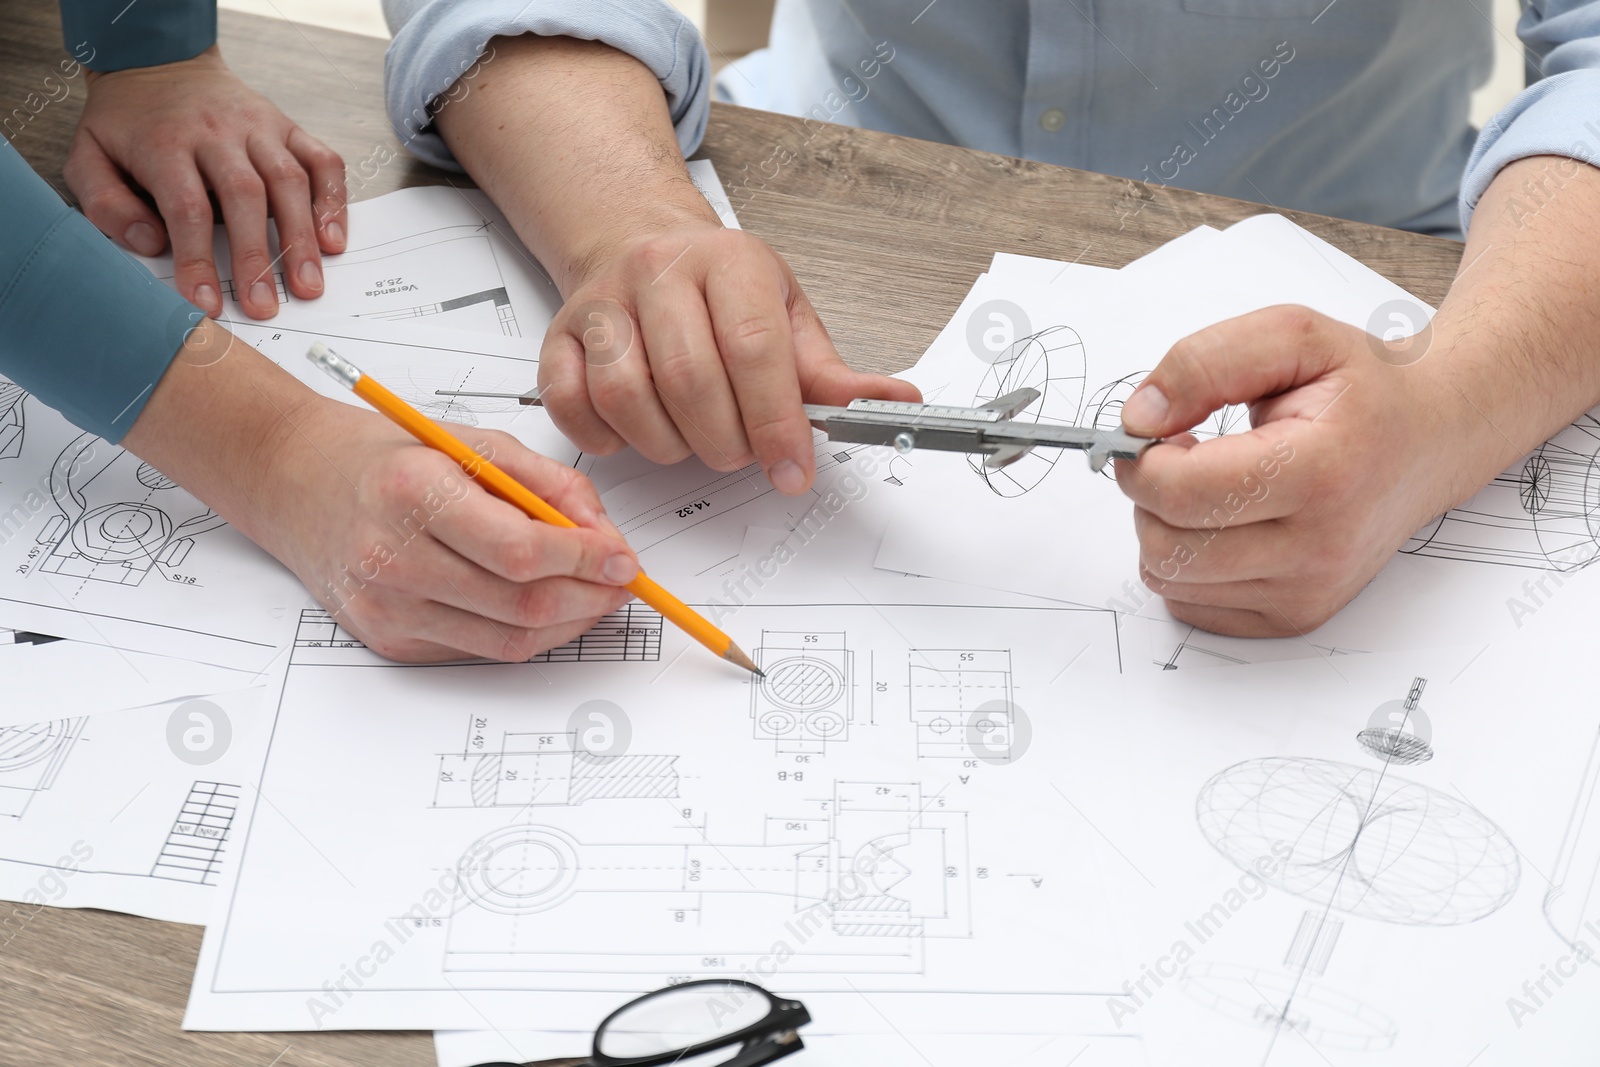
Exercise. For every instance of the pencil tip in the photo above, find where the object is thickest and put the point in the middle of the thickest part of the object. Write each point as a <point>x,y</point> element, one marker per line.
<point>735,654</point>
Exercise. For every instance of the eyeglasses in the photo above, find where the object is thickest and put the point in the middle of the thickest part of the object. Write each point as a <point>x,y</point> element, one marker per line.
<point>694,1018</point>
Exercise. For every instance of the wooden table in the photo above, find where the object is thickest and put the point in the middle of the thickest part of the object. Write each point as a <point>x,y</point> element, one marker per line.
<point>886,234</point>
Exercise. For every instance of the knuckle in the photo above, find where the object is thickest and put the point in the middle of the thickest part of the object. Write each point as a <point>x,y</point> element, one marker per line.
<point>519,560</point>
<point>190,209</point>
<point>654,255</point>
<point>749,338</point>
<point>243,184</point>
<point>617,393</point>
<point>1296,320</point>
<point>287,171</point>
<point>534,606</point>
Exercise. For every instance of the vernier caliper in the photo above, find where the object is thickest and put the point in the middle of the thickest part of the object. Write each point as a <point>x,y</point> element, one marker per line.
<point>990,430</point>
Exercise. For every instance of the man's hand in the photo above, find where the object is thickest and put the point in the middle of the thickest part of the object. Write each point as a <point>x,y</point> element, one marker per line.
<point>678,336</point>
<point>698,341</point>
<point>1270,532</point>
<point>179,129</point>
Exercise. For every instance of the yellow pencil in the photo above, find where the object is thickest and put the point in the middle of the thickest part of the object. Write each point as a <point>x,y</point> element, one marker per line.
<point>515,493</point>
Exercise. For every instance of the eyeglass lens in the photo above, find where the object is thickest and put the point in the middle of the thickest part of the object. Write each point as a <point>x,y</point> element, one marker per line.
<point>681,1017</point>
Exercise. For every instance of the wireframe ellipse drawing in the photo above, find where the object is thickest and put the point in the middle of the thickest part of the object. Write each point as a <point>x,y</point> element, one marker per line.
<point>1363,842</point>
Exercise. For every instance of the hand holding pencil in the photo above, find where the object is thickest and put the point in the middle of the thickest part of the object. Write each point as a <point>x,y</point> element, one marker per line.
<point>507,488</point>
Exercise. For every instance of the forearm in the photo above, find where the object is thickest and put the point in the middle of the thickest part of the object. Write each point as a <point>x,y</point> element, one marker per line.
<point>574,142</point>
<point>221,419</point>
<point>1512,356</point>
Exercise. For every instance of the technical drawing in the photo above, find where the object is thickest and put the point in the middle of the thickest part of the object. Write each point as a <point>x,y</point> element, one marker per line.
<point>1178,646</point>
<point>1572,903</point>
<point>1104,411</point>
<point>1365,843</point>
<point>631,634</point>
<point>1053,362</point>
<point>546,768</point>
<point>1321,1014</point>
<point>1361,841</point>
<point>805,699</point>
<point>30,759</point>
<point>120,517</point>
<point>425,262</point>
<point>12,419</point>
<point>1543,515</point>
<point>961,703</point>
<point>1404,738</point>
<point>870,874</point>
<point>498,299</point>
<point>194,846</point>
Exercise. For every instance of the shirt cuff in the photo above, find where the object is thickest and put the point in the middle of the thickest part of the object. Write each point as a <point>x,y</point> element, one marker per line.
<point>106,35</point>
<point>436,42</point>
<point>1556,116</point>
<point>82,326</point>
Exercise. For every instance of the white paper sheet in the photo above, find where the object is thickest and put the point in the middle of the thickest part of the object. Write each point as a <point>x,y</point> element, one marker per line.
<point>709,848</point>
<point>97,546</point>
<point>131,811</point>
<point>66,679</point>
<point>1310,889</point>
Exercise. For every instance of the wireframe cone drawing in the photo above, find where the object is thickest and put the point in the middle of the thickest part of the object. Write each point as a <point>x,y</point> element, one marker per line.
<point>1053,362</point>
<point>1543,514</point>
<point>120,517</point>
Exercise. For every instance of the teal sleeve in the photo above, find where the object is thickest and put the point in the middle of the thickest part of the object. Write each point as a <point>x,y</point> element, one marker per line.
<point>83,327</point>
<point>115,34</point>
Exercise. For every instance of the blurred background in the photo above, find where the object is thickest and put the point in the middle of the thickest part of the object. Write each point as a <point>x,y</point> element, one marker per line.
<point>734,27</point>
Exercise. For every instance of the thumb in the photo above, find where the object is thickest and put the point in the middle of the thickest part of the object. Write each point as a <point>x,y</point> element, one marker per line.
<point>1239,361</point>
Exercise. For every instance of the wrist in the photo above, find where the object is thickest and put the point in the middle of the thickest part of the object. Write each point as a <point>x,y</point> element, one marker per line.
<point>590,257</point>
<point>210,59</point>
<point>1479,407</point>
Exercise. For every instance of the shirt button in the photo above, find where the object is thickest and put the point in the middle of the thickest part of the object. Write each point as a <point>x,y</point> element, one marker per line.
<point>1053,120</point>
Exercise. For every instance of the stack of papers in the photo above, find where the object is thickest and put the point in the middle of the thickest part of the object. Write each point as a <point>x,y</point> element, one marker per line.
<point>990,802</point>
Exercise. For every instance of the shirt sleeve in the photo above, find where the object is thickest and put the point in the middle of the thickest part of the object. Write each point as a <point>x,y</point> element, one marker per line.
<point>437,41</point>
<point>109,35</point>
<point>1559,114</point>
<point>83,327</point>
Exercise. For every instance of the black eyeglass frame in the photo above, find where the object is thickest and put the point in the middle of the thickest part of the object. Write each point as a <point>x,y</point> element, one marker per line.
<point>770,1038</point>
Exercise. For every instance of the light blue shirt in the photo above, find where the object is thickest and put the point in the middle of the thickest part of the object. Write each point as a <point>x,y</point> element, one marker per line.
<point>1351,108</point>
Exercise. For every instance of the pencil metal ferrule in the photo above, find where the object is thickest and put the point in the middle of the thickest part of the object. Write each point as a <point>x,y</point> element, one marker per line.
<point>338,368</point>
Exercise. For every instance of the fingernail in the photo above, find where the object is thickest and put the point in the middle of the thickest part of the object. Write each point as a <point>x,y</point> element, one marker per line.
<point>787,477</point>
<point>311,275</point>
<point>143,239</point>
<point>262,296</point>
<point>205,298</point>
<point>620,569</point>
<point>1146,409</point>
<point>335,234</point>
